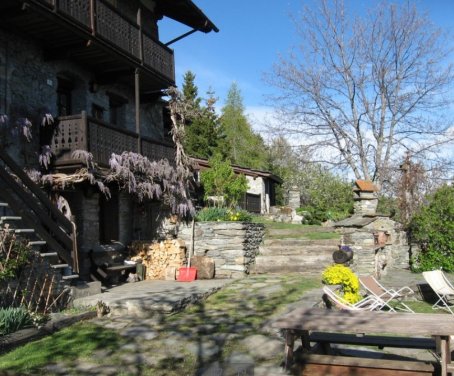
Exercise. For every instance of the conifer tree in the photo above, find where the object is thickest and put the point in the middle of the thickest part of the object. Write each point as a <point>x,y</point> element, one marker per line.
<point>203,136</point>
<point>246,147</point>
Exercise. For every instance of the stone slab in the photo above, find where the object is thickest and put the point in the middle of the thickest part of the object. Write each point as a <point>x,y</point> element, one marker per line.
<point>146,298</point>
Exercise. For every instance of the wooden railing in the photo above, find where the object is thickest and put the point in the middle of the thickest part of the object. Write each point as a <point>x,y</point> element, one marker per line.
<point>37,211</point>
<point>80,132</point>
<point>103,21</point>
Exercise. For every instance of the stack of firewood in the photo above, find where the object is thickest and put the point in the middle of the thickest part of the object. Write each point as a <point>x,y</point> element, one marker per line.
<point>161,259</point>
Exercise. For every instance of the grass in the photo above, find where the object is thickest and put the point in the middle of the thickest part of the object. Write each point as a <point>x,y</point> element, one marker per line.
<point>69,344</point>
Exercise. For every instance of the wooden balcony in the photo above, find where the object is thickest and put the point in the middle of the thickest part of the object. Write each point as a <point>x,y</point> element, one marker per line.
<point>95,34</point>
<point>81,132</point>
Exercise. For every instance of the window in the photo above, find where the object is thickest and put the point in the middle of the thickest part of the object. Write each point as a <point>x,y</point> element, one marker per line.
<point>97,112</point>
<point>64,97</point>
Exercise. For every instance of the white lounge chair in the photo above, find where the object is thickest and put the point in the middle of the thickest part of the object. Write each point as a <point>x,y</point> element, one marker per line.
<point>370,303</point>
<point>442,287</point>
<point>387,295</point>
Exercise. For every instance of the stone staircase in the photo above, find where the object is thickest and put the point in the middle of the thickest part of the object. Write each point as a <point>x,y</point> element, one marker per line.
<point>32,216</point>
<point>288,250</point>
<point>16,225</point>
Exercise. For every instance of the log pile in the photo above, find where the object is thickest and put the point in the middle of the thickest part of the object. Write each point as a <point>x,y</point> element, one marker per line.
<point>161,259</point>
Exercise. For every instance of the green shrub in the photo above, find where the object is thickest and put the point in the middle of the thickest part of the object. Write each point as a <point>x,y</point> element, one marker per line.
<point>239,216</point>
<point>221,182</point>
<point>223,214</point>
<point>212,214</point>
<point>14,253</point>
<point>339,274</point>
<point>14,319</point>
<point>433,228</point>
<point>315,216</point>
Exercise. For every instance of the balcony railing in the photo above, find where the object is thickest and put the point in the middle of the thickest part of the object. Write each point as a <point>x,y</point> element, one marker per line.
<point>102,20</point>
<point>80,132</point>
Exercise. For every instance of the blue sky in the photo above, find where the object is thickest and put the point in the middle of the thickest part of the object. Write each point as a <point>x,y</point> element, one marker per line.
<point>252,35</point>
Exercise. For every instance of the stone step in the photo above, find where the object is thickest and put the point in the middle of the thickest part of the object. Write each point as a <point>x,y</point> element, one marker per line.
<point>306,250</point>
<point>70,277</point>
<point>315,263</point>
<point>10,218</point>
<point>298,230</point>
<point>24,231</point>
<point>37,243</point>
<point>59,266</point>
<point>300,242</point>
<point>49,254</point>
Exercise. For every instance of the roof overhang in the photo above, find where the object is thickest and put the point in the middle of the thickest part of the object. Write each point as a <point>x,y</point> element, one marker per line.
<point>202,164</point>
<point>186,12</point>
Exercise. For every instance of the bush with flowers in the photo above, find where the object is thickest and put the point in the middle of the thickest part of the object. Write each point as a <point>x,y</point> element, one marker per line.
<point>339,274</point>
<point>223,214</point>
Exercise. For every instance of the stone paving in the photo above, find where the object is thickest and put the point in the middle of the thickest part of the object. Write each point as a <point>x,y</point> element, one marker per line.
<point>148,297</point>
<point>228,334</point>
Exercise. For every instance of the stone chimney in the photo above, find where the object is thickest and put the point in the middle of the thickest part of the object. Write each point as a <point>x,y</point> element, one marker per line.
<point>365,197</point>
<point>294,197</point>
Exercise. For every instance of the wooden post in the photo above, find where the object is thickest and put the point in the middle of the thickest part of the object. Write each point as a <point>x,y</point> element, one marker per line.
<point>445,354</point>
<point>93,16</point>
<point>139,23</point>
<point>137,99</point>
<point>84,130</point>
<point>289,343</point>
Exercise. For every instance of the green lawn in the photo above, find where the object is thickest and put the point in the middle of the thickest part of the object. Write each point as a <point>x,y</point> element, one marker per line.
<point>77,341</point>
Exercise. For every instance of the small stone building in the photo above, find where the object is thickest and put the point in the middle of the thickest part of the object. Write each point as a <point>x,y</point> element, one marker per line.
<point>378,242</point>
<point>261,193</point>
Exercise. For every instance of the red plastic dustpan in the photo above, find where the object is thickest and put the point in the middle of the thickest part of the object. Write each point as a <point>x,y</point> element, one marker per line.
<point>187,274</point>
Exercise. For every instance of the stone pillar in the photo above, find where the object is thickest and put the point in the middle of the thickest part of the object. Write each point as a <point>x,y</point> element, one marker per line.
<point>294,197</point>
<point>85,209</point>
<point>125,219</point>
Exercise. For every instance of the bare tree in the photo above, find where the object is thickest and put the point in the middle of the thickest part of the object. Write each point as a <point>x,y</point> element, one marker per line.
<point>365,91</point>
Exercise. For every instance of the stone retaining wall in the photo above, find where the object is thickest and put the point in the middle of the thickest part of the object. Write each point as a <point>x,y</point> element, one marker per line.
<point>232,245</point>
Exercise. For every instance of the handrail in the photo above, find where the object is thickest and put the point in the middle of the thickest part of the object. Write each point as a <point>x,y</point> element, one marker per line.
<point>53,225</point>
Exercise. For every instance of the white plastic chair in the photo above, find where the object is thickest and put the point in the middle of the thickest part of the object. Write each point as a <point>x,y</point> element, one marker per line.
<point>442,287</point>
<point>370,303</point>
<point>387,295</point>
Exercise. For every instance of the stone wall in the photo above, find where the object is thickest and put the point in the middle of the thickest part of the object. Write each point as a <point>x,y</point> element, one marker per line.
<point>377,259</point>
<point>232,245</point>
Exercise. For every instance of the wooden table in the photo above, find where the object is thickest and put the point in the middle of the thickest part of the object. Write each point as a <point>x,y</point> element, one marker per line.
<point>302,321</point>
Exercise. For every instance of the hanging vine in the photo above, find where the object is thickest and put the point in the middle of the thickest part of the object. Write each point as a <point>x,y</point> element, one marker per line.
<point>133,172</point>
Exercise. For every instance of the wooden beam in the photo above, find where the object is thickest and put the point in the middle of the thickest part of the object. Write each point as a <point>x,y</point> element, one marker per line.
<point>137,100</point>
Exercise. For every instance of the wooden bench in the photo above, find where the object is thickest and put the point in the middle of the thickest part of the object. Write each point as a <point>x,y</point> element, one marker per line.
<point>112,274</point>
<point>324,365</point>
<point>325,339</point>
<point>382,329</point>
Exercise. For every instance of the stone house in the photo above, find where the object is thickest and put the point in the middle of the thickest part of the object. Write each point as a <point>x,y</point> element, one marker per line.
<point>99,68</point>
<point>261,193</point>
